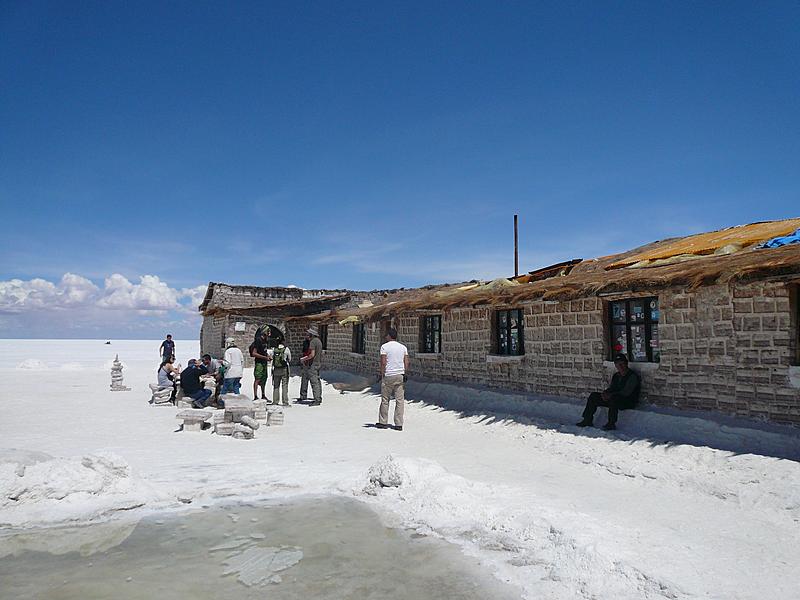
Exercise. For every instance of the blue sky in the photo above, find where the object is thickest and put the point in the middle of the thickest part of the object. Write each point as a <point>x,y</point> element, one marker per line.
<point>148,148</point>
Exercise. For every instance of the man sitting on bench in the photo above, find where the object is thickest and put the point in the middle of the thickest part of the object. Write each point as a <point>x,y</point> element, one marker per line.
<point>192,386</point>
<point>621,394</point>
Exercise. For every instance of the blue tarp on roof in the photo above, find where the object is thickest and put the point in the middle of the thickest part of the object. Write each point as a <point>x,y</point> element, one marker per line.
<point>792,238</point>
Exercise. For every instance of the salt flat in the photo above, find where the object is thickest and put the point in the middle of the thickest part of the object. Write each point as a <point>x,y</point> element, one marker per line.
<point>562,513</point>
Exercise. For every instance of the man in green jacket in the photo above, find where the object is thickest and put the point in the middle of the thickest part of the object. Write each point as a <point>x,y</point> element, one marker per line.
<point>621,394</point>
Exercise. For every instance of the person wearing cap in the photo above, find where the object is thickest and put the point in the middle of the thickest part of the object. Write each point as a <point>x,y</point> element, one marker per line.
<point>281,357</point>
<point>234,368</point>
<point>313,360</point>
<point>304,368</point>
<point>621,394</point>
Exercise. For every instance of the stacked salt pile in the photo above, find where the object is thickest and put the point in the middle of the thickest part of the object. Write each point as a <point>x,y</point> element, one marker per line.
<point>239,417</point>
<point>160,395</point>
<point>261,409</point>
<point>116,377</point>
<point>275,416</point>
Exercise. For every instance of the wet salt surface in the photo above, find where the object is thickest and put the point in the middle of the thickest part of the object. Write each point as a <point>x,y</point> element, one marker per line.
<point>312,548</point>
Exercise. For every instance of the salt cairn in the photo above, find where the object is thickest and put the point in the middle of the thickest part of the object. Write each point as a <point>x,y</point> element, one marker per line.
<point>116,377</point>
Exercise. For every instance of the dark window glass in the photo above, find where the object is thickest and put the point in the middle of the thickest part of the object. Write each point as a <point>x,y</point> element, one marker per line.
<point>323,336</point>
<point>359,338</point>
<point>634,329</point>
<point>430,333</point>
<point>510,333</point>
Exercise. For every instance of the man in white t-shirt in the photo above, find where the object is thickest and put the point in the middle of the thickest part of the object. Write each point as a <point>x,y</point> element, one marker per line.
<point>234,367</point>
<point>394,364</point>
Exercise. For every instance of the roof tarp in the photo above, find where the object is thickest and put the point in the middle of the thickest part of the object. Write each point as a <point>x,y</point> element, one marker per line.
<point>708,243</point>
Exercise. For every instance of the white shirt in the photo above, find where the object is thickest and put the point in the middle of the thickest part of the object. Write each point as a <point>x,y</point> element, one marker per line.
<point>234,360</point>
<point>395,353</point>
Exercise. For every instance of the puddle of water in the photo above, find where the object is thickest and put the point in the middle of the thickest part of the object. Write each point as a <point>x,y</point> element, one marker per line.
<point>312,548</point>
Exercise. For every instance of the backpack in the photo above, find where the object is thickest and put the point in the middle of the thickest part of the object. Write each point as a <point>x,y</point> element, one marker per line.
<point>278,359</point>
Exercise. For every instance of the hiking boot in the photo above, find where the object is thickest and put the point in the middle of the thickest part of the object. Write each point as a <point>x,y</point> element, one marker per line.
<point>609,427</point>
<point>286,404</point>
<point>584,423</point>
<point>381,425</point>
<point>397,427</point>
<point>315,403</point>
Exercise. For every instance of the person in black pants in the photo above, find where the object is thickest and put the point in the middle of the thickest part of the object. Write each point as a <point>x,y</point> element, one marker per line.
<point>621,394</point>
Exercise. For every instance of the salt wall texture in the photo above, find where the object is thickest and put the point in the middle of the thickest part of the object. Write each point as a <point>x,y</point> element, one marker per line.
<point>728,348</point>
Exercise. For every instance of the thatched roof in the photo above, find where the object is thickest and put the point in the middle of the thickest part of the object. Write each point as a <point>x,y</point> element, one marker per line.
<point>602,276</point>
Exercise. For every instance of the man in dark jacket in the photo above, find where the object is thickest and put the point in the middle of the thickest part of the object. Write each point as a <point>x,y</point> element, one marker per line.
<point>621,394</point>
<point>192,386</point>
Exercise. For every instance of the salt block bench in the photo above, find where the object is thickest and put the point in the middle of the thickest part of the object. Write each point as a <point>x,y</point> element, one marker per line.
<point>193,418</point>
<point>236,408</point>
<point>160,396</point>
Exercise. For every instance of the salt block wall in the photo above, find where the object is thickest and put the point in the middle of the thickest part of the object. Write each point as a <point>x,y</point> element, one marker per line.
<point>728,348</point>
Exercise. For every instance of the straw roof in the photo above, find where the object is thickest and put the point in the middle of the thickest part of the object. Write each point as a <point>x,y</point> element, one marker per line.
<point>605,276</point>
<point>737,238</point>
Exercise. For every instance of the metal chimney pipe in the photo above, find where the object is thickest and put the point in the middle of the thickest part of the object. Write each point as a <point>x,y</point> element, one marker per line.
<point>516,247</point>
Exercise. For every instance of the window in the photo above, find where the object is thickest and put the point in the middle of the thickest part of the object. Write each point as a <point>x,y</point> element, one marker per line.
<point>430,330</point>
<point>634,329</point>
<point>794,321</point>
<point>359,338</point>
<point>510,336</point>
<point>323,336</point>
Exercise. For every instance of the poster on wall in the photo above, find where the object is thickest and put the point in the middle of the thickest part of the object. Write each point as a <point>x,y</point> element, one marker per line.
<point>618,311</point>
<point>637,311</point>
<point>638,348</point>
<point>240,326</point>
<point>620,339</point>
<point>654,345</point>
<point>654,310</point>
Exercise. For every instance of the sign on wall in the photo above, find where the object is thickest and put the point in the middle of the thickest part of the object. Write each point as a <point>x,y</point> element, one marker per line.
<point>240,326</point>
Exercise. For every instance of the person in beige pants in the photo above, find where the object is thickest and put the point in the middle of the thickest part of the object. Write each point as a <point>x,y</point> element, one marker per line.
<point>394,364</point>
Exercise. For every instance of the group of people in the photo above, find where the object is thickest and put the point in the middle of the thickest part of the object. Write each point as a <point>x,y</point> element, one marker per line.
<point>280,358</point>
<point>622,393</point>
<point>227,374</point>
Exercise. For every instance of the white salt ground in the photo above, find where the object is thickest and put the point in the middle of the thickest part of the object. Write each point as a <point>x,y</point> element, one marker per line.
<point>673,506</point>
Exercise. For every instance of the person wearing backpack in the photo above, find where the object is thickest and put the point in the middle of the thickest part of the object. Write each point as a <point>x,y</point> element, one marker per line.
<point>281,357</point>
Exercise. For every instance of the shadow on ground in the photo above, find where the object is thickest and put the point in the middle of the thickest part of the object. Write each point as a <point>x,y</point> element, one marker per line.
<point>660,427</point>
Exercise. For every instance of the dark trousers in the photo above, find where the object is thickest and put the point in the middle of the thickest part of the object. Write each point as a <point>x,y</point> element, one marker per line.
<point>615,404</point>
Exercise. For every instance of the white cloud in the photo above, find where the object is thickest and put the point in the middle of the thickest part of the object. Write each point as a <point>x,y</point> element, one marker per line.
<point>150,294</point>
<point>75,306</point>
<point>18,296</point>
<point>196,295</point>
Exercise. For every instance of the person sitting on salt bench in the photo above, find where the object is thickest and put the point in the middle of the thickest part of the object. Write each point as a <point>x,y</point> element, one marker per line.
<point>192,386</point>
<point>623,393</point>
<point>167,376</point>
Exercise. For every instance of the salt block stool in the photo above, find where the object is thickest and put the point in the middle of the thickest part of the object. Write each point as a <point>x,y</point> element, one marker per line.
<point>193,418</point>
<point>236,408</point>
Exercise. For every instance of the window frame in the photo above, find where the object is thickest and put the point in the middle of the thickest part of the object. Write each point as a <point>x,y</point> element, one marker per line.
<point>359,345</point>
<point>432,324</point>
<point>647,322</point>
<point>794,322</point>
<point>323,336</point>
<point>505,331</point>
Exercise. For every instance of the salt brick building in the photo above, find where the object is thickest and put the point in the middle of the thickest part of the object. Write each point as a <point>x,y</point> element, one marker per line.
<point>710,321</point>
